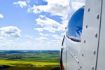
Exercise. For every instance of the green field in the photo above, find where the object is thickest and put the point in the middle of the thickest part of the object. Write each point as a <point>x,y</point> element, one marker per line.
<point>30,61</point>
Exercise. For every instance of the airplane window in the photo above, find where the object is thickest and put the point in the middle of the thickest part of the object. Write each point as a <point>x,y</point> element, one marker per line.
<point>75,25</point>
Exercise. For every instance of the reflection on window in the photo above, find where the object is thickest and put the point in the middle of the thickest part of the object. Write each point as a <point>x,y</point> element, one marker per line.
<point>75,25</point>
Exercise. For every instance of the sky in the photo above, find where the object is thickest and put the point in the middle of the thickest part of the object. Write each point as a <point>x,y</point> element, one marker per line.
<point>33,24</point>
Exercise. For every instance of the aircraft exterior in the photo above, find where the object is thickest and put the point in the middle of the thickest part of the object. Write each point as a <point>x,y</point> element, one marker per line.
<point>85,50</point>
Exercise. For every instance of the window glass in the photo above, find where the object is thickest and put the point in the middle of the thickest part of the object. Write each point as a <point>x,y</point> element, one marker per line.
<point>75,25</point>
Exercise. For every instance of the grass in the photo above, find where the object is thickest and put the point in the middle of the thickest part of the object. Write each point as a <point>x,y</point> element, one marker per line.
<point>11,63</point>
<point>28,65</point>
<point>30,61</point>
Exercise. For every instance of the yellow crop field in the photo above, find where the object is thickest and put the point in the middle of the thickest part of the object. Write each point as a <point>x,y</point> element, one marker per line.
<point>11,62</point>
<point>30,60</point>
<point>28,65</point>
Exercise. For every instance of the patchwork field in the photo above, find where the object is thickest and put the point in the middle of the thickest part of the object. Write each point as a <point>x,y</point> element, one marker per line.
<point>29,60</point>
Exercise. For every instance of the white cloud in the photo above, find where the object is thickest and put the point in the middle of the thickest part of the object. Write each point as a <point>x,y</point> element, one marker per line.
<point>27,43</point>
<point>10,32</point>
<point>43,34</point>
<point>57,37</point>
<point>47,21</point>
<point>47,28</point>
<point>55,7</point>
<point>22,4</point>
<point>45,44</point>
<point>60,8</point>
<point>39,29</point>
<point>42,38</point>
<point>1,16</point>
<point>49,25</point>
<point>77,5</point>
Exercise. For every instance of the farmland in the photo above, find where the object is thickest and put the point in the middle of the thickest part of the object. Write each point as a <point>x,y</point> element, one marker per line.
<point>29,60</point>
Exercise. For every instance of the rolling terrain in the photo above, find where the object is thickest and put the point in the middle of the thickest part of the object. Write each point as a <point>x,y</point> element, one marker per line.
<point>29,60</point>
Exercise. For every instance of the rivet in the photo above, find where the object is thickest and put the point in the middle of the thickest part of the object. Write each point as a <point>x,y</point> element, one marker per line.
<point>84,41</point>
<point>98,16</point>
<point>96,35</point>
<point>88,9</point>
<point>86,26</point>
<point>92,68</point>
<point>94,52</point>
<point>78,62</point>
<point>82,54</point>
<point>80,67</point>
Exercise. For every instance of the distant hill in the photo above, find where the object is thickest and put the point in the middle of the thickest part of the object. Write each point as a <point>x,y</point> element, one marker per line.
<point>26,51</point>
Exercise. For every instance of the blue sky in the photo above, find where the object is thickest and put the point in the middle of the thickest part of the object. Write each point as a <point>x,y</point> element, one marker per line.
<point>32,24</point>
